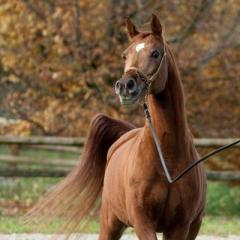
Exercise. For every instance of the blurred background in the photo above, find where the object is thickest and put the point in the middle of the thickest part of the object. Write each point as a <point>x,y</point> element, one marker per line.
<point>59,60</point>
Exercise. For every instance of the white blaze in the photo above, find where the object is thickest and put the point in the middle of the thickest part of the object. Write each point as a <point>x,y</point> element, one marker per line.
<point>139,46</point>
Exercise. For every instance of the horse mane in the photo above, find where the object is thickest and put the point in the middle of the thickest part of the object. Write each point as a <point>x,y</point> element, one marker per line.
<point>76,198</point>
<point>175,84</point>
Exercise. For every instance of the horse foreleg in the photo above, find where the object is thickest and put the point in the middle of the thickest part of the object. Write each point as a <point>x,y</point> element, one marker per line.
<point>179,233</point>
<point>111,228</point>
<point>194,229</point>
<point>144,227</point>
<point>145,232</point>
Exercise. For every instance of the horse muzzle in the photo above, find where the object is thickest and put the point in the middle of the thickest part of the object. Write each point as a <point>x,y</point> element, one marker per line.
<point>130,87</point>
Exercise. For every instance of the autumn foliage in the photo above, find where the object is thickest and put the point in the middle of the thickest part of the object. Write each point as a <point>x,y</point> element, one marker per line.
<point>59,61</point>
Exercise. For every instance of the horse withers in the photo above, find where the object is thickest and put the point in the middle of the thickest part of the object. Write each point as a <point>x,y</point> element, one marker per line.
<point>120,173</point>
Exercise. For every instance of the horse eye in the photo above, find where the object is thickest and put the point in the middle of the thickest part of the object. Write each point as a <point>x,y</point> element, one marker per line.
<point>155,54</point>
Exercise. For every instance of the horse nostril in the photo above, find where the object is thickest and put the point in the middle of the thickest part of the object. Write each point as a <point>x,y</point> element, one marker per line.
<point>130,84</point>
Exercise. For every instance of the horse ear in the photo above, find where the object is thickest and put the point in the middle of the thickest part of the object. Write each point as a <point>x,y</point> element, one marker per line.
<point>132,30</point>
<point>156,25</point>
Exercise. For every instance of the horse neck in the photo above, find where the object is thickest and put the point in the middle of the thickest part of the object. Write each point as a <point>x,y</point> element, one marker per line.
<point>167,110</point>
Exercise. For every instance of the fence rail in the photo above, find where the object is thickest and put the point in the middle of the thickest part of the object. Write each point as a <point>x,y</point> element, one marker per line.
<point>39,140</point>
<point>77,141</point>
<point>60,167</point>
<point>211,175</point>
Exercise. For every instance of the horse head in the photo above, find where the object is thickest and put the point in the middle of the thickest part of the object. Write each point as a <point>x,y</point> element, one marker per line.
<point>145,68</point>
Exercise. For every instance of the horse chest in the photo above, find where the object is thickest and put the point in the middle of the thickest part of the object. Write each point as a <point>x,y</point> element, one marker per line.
<point>149,195</point>
<point>163,204</point>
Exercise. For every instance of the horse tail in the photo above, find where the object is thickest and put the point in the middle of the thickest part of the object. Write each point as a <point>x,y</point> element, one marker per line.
<point>75,200</point>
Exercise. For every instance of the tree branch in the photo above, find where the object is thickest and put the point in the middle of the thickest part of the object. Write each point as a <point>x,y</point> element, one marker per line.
<point>77,23</point>
<point>33,8</point>
<point>189,29</point>
<point>23,116</point>
<point>222,44</point>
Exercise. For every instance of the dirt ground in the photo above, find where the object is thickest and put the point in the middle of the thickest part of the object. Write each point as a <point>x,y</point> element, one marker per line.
<point>94,237</point>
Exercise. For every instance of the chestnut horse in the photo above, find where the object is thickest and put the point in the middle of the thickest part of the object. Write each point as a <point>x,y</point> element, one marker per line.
<point>120,171</point>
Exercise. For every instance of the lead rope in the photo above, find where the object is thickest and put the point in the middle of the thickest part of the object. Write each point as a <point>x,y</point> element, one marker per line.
<point>162,160</point>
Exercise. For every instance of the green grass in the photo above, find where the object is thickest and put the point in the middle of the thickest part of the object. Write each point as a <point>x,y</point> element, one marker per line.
<point>219,225</point>
<point>25,189</point>
<point>212,225</point>
<point>223,200</point>
<point>18,194</point>
<point>16,225</point>
<point>222,211</point>
<point>40,153</point>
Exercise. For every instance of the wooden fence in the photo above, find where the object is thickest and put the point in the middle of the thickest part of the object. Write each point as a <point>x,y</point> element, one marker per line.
<point>12,164</point>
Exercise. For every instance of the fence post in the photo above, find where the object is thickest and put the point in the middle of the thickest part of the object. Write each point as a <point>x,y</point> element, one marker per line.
<point>14,148</point>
